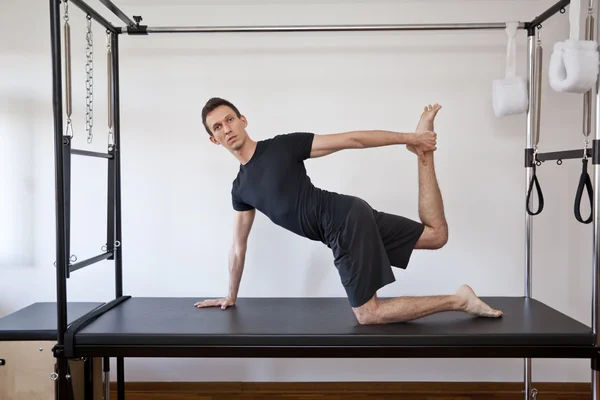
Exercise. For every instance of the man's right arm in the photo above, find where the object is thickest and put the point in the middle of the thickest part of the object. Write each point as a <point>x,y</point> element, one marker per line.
<point>237,254</point>
<point>242,225</point>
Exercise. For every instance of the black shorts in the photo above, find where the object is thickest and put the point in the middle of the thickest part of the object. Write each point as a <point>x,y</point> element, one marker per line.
<point>367,245</point>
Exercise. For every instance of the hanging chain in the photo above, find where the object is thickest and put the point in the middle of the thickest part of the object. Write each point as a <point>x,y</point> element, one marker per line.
<point>89,82</point>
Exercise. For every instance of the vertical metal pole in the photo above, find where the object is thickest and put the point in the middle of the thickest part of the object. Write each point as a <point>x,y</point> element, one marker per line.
<point>106,378</point>
<point>67,199</point>
<point>117,162</point>
<point>531,67</point>
<point>529,145</point>
<point>596,225</point>
<point>61,258</point>
<point>110,201</point>
<point>88,389</point>
<point>110,211</point>
<point>117,166</point>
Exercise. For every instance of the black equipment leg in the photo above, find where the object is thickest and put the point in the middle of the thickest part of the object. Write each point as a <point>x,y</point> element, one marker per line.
<point>106,370</point>
<point>61,256</point>
<point>595,365</point>
<point>120,378</point>
<point>89,378</point>
<point>117,197</point>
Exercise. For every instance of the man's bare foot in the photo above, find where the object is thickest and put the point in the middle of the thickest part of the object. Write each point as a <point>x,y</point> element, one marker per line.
<point>426,121</point>
<point>473,305</point>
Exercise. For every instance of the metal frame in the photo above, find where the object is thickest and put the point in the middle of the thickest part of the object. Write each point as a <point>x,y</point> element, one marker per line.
<point>322,28</point>
<point>63,152</point>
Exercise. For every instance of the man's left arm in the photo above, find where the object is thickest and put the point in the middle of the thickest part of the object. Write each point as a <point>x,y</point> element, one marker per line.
<point>326,144</point>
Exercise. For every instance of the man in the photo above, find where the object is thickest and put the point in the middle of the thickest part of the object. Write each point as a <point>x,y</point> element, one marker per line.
<point>365,242</point>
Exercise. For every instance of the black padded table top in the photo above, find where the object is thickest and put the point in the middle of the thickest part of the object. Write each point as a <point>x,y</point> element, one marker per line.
<point>38,321</point>
<point>324,322</point>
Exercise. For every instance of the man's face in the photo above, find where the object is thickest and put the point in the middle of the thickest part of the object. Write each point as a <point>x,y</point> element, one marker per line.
<point>228,130</point>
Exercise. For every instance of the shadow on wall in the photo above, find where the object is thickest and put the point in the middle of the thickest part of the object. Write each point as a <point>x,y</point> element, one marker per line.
<point>16,180</point>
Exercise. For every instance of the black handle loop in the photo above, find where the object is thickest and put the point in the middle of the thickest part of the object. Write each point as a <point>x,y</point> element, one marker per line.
<point>584,182</point>
<point>534,181</point>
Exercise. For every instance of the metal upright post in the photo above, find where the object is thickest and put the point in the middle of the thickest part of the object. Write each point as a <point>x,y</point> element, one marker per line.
<point>596,224</point>
<point>531,117</point>
<point>110,200</point>
<point>61,256</point>
<point>118,248</point>
<point>117,166</point>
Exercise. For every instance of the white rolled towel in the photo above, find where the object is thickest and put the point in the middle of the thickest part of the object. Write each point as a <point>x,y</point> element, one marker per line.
<point>574,63</point>
<point>510,94</point>
<point>574,66</point>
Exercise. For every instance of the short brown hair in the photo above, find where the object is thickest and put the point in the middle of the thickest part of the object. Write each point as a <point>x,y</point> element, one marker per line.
<point>211,105</point>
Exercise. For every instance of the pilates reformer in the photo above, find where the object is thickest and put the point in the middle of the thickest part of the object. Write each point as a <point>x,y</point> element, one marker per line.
<point>284,327</point>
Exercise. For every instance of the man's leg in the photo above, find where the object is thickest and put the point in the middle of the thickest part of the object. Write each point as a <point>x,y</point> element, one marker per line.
<point>435,235</point>
<point>431,206</point>
<point>402,309</point>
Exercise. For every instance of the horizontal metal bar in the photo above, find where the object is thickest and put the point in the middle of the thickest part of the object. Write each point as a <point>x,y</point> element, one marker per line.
<point>170,350</point>
<point>89,261</point>
<point>563,155</point>
<point>90,153</point>
<point>115,10</point>
<point>97,17</point>
<point>548,13</point>
<point>320,28</point>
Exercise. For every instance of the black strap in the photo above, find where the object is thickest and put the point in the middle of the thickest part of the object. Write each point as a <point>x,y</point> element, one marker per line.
<point>82,322</point>
<point>584,182</point>
<point>534,180</point>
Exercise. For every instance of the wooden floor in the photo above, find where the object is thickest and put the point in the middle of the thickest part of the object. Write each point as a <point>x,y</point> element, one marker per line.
<point>349,391</point>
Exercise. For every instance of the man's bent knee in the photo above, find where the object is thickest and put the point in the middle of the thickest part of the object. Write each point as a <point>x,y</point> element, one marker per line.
<point>367,313</point>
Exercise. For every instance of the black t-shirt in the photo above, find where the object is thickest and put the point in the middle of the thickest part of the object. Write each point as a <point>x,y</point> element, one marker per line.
<point>274,181</point>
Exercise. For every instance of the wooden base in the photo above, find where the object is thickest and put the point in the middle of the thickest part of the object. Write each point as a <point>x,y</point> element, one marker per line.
<point>348,390</point>
<point>27,369</point>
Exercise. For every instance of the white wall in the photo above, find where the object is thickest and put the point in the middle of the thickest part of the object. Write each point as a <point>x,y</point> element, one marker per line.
<point>176,185</point>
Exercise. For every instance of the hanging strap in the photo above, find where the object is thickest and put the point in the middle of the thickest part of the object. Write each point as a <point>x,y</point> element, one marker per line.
<point>584,182</point>
<point>534,181</point>
<point>511,49</point>
<point>574,15</point>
